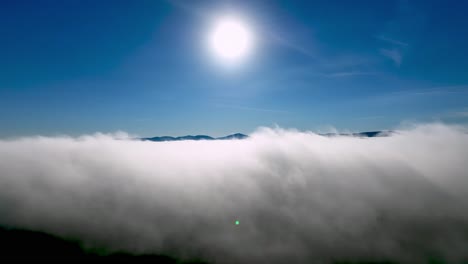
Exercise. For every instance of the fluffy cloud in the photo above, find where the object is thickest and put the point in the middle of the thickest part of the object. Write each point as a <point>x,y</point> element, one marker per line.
<point>299,196</point>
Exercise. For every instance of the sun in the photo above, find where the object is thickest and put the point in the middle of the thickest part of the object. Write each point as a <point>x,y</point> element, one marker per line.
<point>230,39</point>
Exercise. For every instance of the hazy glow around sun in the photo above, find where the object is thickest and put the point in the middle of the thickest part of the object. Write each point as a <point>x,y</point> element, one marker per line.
<point>230,40</point>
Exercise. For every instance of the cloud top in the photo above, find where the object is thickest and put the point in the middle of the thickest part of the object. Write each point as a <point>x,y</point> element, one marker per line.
<point>299,196</point>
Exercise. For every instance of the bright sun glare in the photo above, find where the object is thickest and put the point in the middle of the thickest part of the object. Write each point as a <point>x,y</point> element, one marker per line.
<point>230,40</point>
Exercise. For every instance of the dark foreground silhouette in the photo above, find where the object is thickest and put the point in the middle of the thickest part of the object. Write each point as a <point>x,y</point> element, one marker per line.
<point>30,246</point>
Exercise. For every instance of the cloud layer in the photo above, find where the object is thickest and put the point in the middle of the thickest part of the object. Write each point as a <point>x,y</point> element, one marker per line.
<point>299,197</point>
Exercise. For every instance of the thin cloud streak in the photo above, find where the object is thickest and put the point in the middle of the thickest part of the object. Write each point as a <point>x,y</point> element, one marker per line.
<point>393,41</point>
<point>351,74</point>
<point>369,117</point>
<point>432,91</point>
<point>393,54</point>
<point>293,46</point>
<point>241,107</point>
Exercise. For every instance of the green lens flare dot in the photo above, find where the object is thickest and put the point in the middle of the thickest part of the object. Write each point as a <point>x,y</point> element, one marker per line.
<point>237,222</point>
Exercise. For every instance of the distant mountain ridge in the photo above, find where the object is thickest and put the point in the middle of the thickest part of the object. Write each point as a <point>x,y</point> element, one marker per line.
<point>361,134</point>
<point>197,137</point>
<point>242,136</point>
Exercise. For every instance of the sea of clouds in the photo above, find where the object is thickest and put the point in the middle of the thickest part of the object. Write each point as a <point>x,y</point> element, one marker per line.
<point>300,197</point>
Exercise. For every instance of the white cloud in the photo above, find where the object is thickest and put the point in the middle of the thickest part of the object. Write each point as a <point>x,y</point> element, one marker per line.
<point>392,41</point>
<point>393,54</point>
<point>300,197</point>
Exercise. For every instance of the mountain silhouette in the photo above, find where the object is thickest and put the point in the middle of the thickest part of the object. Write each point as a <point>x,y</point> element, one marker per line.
<point>242,136</point>
<point>197,137</point>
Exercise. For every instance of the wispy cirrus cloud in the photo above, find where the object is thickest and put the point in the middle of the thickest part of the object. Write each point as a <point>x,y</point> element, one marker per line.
<point>393,54</point>
<point>439,90</point>
<point>395,51</point>
<point>392,41</point>
<point>243,107</point>
<point>295,46</point>
<point>350,74</point>
<point>370,117</point>
<point>397,34</point>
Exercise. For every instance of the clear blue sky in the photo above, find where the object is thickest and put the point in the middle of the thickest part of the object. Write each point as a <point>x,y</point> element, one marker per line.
<point>74,67</point>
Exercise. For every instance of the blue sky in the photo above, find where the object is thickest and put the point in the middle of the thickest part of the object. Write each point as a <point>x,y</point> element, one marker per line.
<point>74,67</point>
